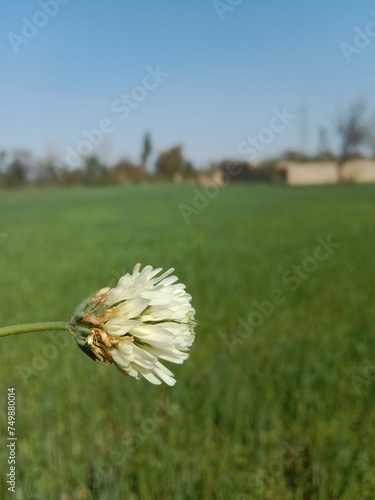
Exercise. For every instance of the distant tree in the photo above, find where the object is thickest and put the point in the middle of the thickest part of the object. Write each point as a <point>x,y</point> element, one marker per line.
<point>236,171</point>
<point>45,172</point>
<point>23,155</point>
<point>95,172</point>
<point>146,149</point>
<point>355,130</point>
<point>172,166</point>
<point>270,169</point>
<point>241,171</point>
<point>16,174</point>
<point>3,155</point>
<point>189,173</point>
<point>18,169</point>
<point>126,172</point>
<point>71,176</point>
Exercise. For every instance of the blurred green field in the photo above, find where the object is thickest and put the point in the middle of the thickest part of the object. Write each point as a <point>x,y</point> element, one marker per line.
<point>286,412</point>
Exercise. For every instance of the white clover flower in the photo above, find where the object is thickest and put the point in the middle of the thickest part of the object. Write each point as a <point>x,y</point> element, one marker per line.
<point>143,319</point>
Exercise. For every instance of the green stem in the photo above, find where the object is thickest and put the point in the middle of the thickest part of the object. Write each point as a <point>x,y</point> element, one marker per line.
<point>33,327</point>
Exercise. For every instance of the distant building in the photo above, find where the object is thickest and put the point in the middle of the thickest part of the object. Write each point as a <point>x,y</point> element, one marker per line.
<point>293,173</point>
<point>210,178</point>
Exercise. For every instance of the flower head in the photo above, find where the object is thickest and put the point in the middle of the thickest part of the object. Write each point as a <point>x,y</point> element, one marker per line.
<point>146,318</point>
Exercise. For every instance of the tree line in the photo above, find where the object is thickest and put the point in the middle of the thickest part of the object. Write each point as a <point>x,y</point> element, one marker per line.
<point>18,169</point>
<point>354,128</point>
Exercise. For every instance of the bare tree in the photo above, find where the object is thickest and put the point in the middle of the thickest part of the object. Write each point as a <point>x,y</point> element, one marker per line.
<point>355,130</point>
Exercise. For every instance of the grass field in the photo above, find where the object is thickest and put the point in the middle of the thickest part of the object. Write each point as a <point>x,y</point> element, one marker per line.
<point>280,408</point>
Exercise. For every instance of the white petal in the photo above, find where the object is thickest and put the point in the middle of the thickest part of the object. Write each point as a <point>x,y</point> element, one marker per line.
<point>121,326</point>
<point>155,319</point>
<point>150,377</point>
<point>165,374</point>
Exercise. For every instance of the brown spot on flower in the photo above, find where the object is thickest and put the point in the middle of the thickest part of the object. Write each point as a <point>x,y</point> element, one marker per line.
<point>92,320</point>
<point>99,345</point>
<point>100,296</point>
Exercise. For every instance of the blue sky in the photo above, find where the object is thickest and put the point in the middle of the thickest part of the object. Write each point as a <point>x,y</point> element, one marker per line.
<point>226,73</point>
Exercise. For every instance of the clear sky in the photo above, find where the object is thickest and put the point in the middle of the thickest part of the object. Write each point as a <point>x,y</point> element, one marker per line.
<point>222,69</point>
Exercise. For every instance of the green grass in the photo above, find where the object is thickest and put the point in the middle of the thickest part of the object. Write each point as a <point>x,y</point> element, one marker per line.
<point>287,412</point>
